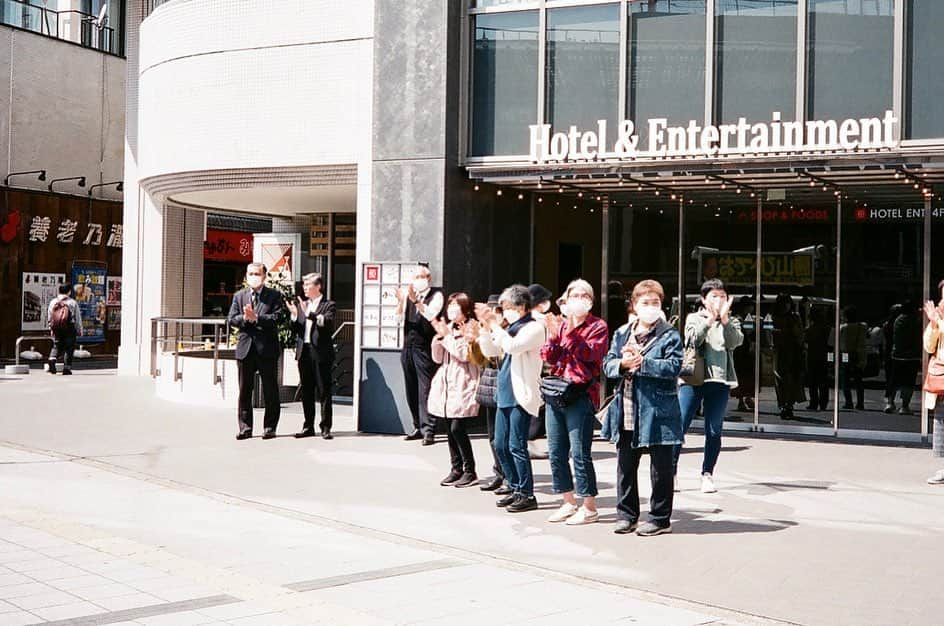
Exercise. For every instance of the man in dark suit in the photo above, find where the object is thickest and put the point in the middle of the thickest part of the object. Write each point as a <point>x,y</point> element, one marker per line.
<point>419,305</point>
<point>313,321</point>
<point>256,312</point>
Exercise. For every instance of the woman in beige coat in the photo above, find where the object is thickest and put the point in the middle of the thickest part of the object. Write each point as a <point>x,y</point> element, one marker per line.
<point>452,390</point>
<point>934,346</point>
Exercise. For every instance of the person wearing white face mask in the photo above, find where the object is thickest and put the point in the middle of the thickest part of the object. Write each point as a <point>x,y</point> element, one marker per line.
<point>419,305</point>
<point>574,350</point>
<point>255,312</point>
<point>452,394</point>
<point>715,334</point>
<point>540,310</point>
<point>645,357</point>
<point>518,396</point>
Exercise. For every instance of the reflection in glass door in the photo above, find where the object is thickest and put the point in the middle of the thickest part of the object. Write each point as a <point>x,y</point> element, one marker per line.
<point>720,241</point>
<point>880,336</point>
<point>798,310</point>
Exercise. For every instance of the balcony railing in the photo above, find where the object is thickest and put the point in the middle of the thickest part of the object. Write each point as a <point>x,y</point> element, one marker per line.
<point>74,26</point>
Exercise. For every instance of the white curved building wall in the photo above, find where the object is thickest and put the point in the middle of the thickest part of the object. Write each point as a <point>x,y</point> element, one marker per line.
<point>227,84</point>
<point>228,90</point>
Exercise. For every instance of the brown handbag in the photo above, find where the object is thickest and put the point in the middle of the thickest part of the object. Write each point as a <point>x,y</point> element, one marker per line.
<point>934,383</point>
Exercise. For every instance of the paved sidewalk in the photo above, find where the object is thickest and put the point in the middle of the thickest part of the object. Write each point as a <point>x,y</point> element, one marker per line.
<point>357,530</point>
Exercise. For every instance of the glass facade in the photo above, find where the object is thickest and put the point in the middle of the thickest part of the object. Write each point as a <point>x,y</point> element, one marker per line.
<point>924,117</point>
<point>836,58</point>
<point>582,66</point>
<point>850,48</point>
<point>504,82</point>
<point>755,59</point>
<point>666,66</point>
<point>831,320</point>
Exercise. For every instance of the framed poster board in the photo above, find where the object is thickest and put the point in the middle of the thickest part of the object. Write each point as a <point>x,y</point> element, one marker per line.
<point>380,325</point>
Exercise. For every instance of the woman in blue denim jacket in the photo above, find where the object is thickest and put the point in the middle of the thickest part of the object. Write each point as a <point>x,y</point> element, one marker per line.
<point>645,356</point>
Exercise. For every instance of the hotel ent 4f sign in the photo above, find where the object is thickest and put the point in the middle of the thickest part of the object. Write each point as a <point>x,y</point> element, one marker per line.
<point>696,140</point>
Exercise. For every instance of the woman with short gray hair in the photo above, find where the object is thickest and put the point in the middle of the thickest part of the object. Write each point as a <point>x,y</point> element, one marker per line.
<point>518,388</point>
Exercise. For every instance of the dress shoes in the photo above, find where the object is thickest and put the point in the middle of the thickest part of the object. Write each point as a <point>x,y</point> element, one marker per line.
<point>491,485</point>
<point>246,434</point>
<point>326,435</point>
<point>504,490</point>
<point>522,503</point>
<point>308,432</point>
<point>506,500</point>
<point>429,440</point>
<point>268,434</point>
<point>414,436</point>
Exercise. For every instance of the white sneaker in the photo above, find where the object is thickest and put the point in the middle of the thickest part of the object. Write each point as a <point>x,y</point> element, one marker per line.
<point>937,479</point>
<point>707,483</point>
<point>583,516</point>
<point>565,511</point>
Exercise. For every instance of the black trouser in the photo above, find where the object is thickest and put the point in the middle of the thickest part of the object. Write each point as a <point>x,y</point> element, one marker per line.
<point>490,427</point>
<point>65,344</point>
<point>538,427</point>
<point>247,368</point>
<point>460,447</point>
<point>851,378</point>
<point>418,371</point>
<point>317,383</point>
<point>627,483</point>
<point>818,378</point>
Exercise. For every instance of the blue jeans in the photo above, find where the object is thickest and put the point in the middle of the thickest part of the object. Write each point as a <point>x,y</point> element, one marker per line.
<point>570,433</point>
<point>511,446</point>
<point>715,398</point>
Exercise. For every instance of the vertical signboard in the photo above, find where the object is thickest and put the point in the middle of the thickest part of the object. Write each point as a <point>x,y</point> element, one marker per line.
<point>89,289</point>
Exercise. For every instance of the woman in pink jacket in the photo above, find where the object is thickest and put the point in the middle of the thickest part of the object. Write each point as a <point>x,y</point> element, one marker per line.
<point>452,391</point>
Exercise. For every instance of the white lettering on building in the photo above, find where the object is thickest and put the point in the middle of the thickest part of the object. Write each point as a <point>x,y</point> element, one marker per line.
<point>692,139</point>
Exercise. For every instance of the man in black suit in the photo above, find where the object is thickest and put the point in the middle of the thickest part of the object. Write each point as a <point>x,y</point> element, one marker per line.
<point>256,312</point>
<point>313,321</point>
<point>419,305</point>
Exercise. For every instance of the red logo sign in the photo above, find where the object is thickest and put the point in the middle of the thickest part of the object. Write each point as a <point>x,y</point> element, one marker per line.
<point>10,227</point>
<point>372,273</point>
<point>227,245</point>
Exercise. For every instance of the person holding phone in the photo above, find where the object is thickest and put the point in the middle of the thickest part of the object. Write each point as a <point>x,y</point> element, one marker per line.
<point>313,322</point>
<point>715,333</point>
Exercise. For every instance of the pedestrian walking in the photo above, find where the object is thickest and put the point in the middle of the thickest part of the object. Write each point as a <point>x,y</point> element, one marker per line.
<point>645,357</point>
<point>313,323</point>
<point>518,396</point>
<point>419,305</point>
<point>787,342</point>
<point>452,391</point>
<point>575,347</point>
<point>906,354</point>
<point>65,326</point>
<point>714,334</point>
<point>256,312</point>
<point>852,347</point>
<point>934,384</point>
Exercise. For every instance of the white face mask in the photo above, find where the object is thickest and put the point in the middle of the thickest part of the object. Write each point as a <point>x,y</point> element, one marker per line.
<point>579,306</point>
<point>545,307</point>
<point>420,284</point>
<point>648,313</point>
<point>511,316</point>
<point>453,313</point>
<point>564,309</point>
<point>254,281</point>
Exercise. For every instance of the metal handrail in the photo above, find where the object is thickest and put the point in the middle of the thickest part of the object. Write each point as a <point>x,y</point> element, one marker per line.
<point>21,13</point>
<point>180,338</point>
<point>177,340</point>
